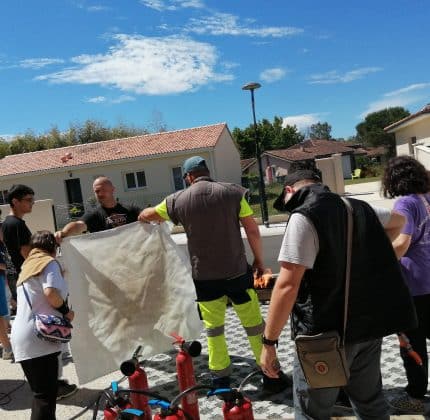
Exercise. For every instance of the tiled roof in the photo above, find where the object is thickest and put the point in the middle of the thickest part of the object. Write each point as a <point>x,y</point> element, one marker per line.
<point>246,163</point>
<point>113,150</point>
<point>311,149</point>
<point>425,110</point>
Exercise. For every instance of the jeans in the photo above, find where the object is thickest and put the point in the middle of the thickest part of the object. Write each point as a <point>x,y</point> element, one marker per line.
<point>364,387</point>
<point>418,375</point>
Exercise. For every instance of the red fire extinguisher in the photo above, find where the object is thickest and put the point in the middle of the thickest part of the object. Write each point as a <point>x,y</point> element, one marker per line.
<point>137,380</point>
<point>118,407</point>
<point>167,412</point>
<point>237,408</point>
<point>185,373</point>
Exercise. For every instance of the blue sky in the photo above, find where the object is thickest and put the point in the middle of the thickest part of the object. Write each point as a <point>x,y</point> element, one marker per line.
<point>133,61</point>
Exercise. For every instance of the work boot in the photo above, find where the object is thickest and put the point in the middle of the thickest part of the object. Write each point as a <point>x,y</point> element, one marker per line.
<point>275,385</point>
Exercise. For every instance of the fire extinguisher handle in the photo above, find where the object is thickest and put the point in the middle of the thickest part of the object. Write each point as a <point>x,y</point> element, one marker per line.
<point>219,391</point>
<point>133,411</point>
<point>159,403</point>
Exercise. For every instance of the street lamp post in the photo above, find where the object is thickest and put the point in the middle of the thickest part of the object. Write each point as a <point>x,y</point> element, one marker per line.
<point>262,190</point>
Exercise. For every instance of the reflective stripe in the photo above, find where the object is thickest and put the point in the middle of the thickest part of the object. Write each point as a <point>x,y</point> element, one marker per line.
<point>222,372</point>
<point>216,331</point>
<point>257,329</point>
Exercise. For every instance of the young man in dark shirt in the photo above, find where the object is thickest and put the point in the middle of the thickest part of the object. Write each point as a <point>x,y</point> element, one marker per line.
<point>16,234</point>
<point>109,214</point>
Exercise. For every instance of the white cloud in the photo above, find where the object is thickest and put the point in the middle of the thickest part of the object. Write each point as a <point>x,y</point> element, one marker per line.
<point>38,63</point>
<point>96,100</point>
<point>170,5</point>
<point>332,77</point>
<point>7,137</point>
<point>303,121</point>
<point>143,65</point>
<point>404,97</point>
<point>119,100</point>
<point>228,24</point>
<point>98,8</point>
<point>273,75</point>
<point>122,98</point>
<point>407,89</point>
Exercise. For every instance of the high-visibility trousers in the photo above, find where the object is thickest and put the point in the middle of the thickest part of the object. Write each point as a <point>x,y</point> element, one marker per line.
<point>213,315</point>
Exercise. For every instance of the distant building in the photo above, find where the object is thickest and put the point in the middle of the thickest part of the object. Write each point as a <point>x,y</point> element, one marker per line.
<point>412,135</point>
<point>143,168</point>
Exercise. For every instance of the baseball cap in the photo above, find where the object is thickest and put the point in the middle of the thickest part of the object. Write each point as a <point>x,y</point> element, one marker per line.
<point>194,163</point>
<point>291,179</point>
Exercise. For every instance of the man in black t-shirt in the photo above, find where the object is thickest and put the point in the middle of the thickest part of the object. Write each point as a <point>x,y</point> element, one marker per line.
<point>109,214</point>
<point>16,234</point>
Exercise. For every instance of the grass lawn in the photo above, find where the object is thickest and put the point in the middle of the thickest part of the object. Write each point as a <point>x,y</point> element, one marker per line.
<point>361,180</point>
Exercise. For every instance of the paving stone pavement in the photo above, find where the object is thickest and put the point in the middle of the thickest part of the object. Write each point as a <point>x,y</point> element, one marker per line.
<point>161,377</point>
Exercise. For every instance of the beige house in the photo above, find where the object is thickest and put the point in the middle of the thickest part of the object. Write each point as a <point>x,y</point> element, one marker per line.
<point>412,135</point>
<point>277,163</point>
<point>143,169</point>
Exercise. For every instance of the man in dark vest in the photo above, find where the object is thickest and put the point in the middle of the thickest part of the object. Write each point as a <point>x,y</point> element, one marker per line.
<point>311,287</point>
<point>211,213</point>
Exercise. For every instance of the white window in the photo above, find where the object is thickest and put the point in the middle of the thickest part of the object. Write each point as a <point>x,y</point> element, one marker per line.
<point>135,180</point>
<point>178,180</point>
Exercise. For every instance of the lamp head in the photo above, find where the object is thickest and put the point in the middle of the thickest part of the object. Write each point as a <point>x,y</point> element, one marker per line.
<point>251,86</point>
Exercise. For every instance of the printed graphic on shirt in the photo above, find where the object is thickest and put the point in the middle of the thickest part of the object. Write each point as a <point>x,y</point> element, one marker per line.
<point>115,220</point>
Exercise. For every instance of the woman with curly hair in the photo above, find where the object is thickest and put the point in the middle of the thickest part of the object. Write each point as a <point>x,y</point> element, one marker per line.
<point>408,179</point>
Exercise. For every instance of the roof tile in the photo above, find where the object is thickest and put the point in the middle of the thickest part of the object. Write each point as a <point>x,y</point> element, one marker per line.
<point>112,150</point>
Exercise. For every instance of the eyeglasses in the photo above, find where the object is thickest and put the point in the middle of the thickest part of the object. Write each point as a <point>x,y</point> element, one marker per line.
<point>185,175</point>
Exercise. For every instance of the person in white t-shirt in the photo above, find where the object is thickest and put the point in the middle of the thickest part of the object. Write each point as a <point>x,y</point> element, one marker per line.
<point>41,284</point>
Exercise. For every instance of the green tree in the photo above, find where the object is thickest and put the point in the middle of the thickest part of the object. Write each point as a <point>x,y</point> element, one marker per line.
<point>272,135</point>
<point>4,148</point>
<point>321,131</point>
<point>371,131</point>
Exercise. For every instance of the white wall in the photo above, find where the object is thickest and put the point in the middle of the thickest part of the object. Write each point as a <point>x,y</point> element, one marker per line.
<point>41,217</point>
<point>419,129</point>
<point>226,160</point>
<point>422,154</point>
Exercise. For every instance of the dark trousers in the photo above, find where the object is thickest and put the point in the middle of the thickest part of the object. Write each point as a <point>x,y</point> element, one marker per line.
<point>418,375</point>
<point>42,374</point>
<point>364,388</point>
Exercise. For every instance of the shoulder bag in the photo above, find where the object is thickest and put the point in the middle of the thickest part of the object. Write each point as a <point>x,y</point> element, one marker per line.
<point>322,356</point>
<point>52,328</point>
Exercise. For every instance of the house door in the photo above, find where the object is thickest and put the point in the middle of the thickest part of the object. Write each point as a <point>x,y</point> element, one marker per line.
<point>74,196</point>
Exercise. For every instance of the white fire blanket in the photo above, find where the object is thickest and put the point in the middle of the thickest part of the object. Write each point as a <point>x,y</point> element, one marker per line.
<point>129,286</point>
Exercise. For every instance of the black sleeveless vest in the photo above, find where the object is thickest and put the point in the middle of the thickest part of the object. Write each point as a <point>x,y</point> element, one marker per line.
<point>379,300</point>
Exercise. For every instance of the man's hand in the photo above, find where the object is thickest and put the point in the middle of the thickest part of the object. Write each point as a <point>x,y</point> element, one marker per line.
<point>269,362</point>
<point>258,268</point>
<point>149,215</point>
<point>58,236</point>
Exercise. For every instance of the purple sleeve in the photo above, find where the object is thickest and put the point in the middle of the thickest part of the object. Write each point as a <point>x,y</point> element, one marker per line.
<point>405,207</point>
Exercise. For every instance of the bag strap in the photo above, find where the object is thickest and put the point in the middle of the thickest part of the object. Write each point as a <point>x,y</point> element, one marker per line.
<point>425,202</point>
<point>27,297</point>
<point>349,230</point>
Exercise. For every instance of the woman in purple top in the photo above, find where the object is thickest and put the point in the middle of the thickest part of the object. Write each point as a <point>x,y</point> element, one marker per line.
<point>408,179</point>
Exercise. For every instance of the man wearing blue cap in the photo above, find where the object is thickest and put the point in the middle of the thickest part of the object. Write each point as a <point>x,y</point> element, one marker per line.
<point>211,213</point>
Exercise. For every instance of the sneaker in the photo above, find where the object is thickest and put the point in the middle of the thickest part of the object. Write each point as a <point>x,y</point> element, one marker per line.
<point>408,405</point>
<point>275,385</point>
<point>7,354</point>
<point>65,389</point>
<point>221,382</point>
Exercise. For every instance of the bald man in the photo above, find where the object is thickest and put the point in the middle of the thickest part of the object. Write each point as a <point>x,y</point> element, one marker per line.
<point>107,215</point>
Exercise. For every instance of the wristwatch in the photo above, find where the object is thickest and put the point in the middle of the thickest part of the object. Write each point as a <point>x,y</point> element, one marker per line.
<point>268,342</point>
